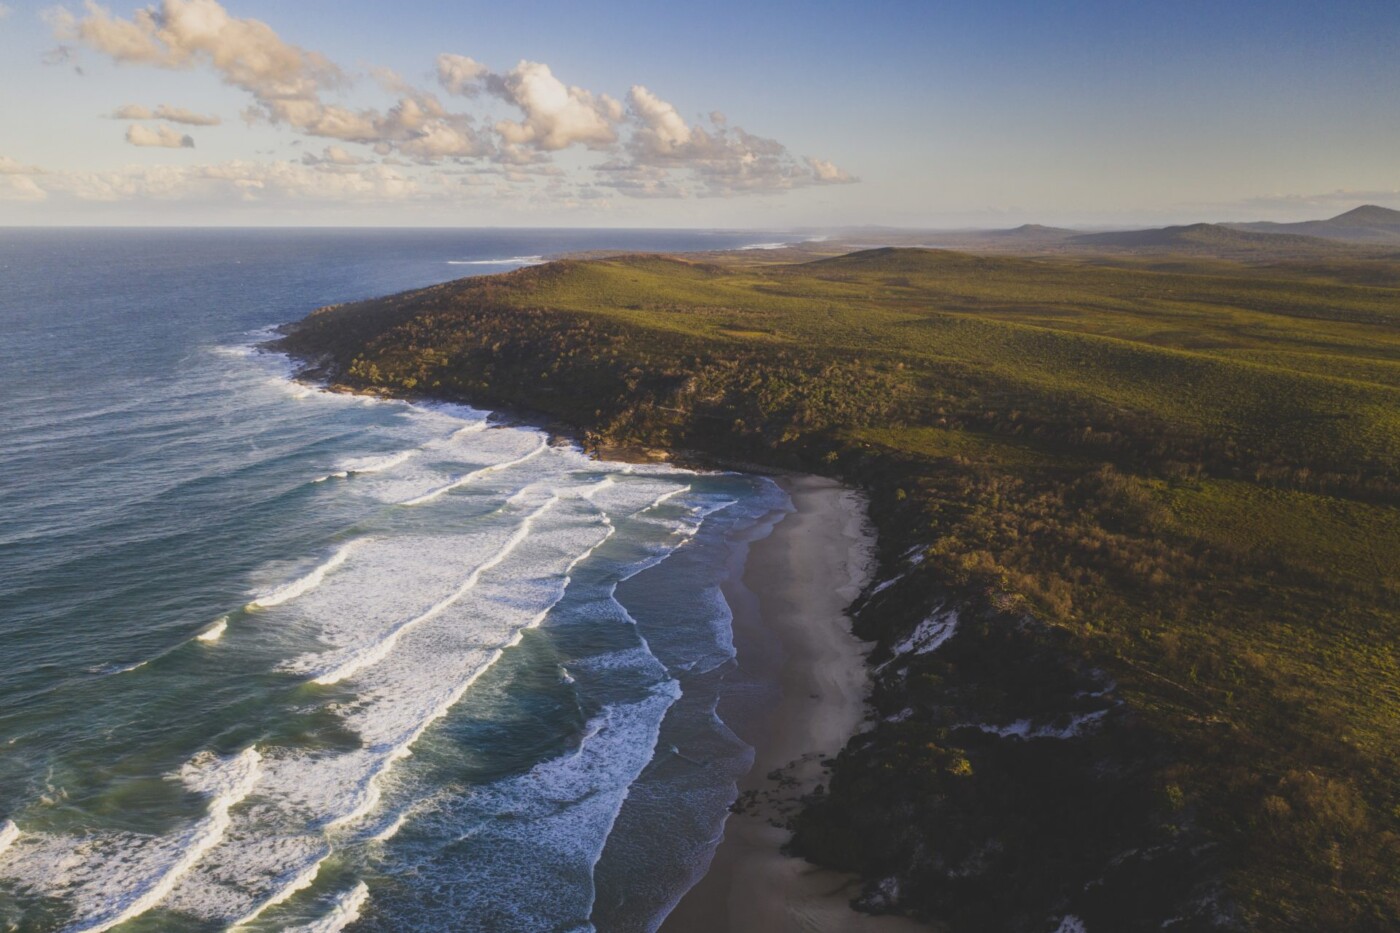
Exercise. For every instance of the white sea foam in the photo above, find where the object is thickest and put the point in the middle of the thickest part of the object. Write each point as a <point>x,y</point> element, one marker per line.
<point>213,632</point>
<point>477,474</point>
<point>390,829</point>
<point>512,261</point>
<point>429,671</point>
<point>435,665</point>
<point>375,464</point>
<point>403,665</point>
<point>377,650</point>
<point>310,581</point>
<point>345,911</point>
<point>588,492</point>
<point>557,820</point>
<point>661,499</point>
<point>9,832</point>
<point>476,427</point>
<point>112,878</point>
<point>286,887</point>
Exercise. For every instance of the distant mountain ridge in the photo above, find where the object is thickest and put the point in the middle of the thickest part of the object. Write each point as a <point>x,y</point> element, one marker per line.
<point>1369,224</point>
<point>1200,236</point>
<point>1034,231</point>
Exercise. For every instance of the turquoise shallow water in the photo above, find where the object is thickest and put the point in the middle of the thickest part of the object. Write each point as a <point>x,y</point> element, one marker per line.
<point>298,660</point>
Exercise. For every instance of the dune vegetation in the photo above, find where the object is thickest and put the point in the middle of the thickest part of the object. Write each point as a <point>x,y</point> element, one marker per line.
<point>1161,500</point>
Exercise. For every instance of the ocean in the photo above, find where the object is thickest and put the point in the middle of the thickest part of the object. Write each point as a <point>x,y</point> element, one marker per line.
<point>279,658</point>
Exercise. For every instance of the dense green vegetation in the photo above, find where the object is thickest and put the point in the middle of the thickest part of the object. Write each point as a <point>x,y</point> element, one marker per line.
<point>1167,493</point>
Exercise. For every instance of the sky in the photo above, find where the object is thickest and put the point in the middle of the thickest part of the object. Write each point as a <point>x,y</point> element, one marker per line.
<point>763,114</point>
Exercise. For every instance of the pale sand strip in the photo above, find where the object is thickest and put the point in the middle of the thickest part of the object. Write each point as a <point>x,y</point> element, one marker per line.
<point>790,628</point>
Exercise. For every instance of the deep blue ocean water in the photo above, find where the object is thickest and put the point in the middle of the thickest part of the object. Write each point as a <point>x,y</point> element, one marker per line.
<point>278,657</point>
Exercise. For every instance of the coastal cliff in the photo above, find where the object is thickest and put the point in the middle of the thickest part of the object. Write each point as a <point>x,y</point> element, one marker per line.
<point>1130,665</point>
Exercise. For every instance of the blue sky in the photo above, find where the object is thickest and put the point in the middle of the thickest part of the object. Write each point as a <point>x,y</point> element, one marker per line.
<point>913,114</point>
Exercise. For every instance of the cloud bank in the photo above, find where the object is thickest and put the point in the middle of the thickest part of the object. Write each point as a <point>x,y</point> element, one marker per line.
<point>519,119</point>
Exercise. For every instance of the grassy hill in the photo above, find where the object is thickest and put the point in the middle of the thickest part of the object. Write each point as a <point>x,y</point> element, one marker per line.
<point>1208,240</point>
<point>1161,503</point>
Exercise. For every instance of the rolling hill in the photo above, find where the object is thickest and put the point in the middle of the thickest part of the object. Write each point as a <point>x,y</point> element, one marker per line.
<point>1204,239</point>
<point>1136,635</point>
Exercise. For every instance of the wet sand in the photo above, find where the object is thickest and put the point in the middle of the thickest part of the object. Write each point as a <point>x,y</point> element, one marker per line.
<point>790,630</point>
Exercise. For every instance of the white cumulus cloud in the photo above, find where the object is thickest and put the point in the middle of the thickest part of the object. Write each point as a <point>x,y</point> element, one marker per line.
<point>556,116</point>
<point>459,74</point>
<point>167,113</point>
<point>138,134</point>
<point>525,116</point>
<point>723,159</point>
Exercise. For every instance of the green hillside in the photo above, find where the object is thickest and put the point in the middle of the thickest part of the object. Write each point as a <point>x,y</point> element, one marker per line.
<point>1162,497</point>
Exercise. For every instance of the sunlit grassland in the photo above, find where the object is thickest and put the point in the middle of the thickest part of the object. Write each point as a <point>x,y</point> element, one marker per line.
<point>1191,467</point>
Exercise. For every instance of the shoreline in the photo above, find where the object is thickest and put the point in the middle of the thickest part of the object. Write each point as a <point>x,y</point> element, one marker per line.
<point>798,695</point>
<point>788,591</point>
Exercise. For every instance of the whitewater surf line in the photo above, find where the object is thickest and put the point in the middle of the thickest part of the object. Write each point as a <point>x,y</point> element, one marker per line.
<point>304,584</point>
<point>476,427</point>
<point>659,500</point>
<point>344,912</point>
<point>512,261</point>
<point>300,881</point>
<point>467,478</point>
<point>227,790</point>
<point>377,465</point>
<point>368,792</point>
<point>214,632</point>
<point>9,832</point>
<point>390,829</point>
<point>377,651</point>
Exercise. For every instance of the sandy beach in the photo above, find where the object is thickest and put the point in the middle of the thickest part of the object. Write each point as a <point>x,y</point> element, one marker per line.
<point>791,634</point>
